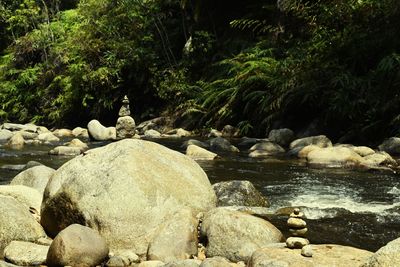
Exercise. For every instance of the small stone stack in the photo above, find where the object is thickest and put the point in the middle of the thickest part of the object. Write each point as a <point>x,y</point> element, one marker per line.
<point>126,124</point>
<point>298,229</point>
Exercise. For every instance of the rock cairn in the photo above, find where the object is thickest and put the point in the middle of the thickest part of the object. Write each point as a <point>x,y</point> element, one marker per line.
<point>298,230</point>
<point>126,124</point>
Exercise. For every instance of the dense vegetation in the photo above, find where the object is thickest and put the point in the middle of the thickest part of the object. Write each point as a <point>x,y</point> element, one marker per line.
<point>330,66</point>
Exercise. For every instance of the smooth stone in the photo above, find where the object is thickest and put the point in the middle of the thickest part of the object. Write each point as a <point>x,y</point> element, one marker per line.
<point>386,256</point>
<point>77,245</point>
<point>26,253</point>
<point>296,223</point>
<point>221,144</point>
<point>28,135</point>
<point>194,142</point>
<point>65,151</point>
<point>62,133</point>
<point>307,251</point>
<point>151,264</point>
<point>282,137</point>
<point>98,132</point>
<point>334,157</point>
<point>320,141</point>
<point>17,141</point>
<point>80,132</point>
<point>363,151</point>
<point>199,153</point>
<point>48,137</point>
<point>152,134</point>
<point>36,177</point>
<point>27,196</point>
<point>5,135</point>
<point>296,242</point>
<point>391,146</point>
<point>298,232</point>
<point>78,143</point>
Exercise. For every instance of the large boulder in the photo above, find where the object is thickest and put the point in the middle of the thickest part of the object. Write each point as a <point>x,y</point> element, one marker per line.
<point>125,190</point>
<point>320,141</point>
<point>27,196</point>
<point>235,235</point>
<point>282,137</point>
<point>77,245</point>
<point>323,255</point>
<point>391,146</point>
<point>125,127</point>
<point>26,253</point>
<point>179,230</point>
<point>36,177</point>
<point>100,133</point>
<point>334,157</point>
<point>386,256</point>
<point>17,223</point>
<point>239,193</point>
<point>265,149</point>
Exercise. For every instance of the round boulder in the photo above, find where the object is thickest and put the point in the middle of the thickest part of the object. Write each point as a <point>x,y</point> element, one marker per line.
<point>77,245</point>
<point>283,137</point>
<point>125,190</point>
<point>100,133</point>
<point>36,177</point>
<point>125,127</point>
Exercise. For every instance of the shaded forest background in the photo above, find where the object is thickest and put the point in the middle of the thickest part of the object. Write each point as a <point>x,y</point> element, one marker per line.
<point>322,66</point>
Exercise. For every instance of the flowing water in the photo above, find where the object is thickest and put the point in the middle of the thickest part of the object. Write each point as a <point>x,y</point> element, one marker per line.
<point>342,206</point>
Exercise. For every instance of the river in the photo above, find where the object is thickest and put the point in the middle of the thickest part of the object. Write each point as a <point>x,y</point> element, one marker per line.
<point>342,206</point>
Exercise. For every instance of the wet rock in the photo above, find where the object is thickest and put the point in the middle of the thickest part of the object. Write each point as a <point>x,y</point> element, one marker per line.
<point>17,141</point>
<point>265,149</point>
<point>17,223</point>
<point>100,133</point>
<point>282,137</point>
<point>379,159</point>
<point>36,177</point>
<point>152,134</point>
<point>5,135</point>
<point>221,144</point>
<point>27,196</point>
<point>48,137</point>
<point>77,245</point>
<point>126,190</point>
<point>323,255</point>
<point>125,127</point>
<point>334,157</point>
<point>386,256</point>
<point>320,141</point>
<point>62,133</point>
<point>65,151</point>
<point>25,253</point>
<point>363,150</point>
<point>239,193</point>
<point>181,231</point>
<point>236,235</point>
<point>198,153</point>
<point>247,142</point>
<point>391,146</point>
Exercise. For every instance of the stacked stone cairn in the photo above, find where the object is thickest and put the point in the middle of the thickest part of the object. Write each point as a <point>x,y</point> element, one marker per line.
<point>125,124</point>
<point>298,229</point>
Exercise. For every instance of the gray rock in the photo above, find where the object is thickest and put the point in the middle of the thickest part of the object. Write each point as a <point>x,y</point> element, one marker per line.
<point>77,245</point>
<point>214,133</point>
<point>48,137</point>
<point>27,196</point>
<point>116,261</point>
<point>265,149</point>
<point>159,124</point>
<point>5,135</point>
<point>239,193</point>
<point>19,127</point>
<point>126,190</point>
<point>297,242</point>
<point>17,223</point>
<point>320,141</point>
<point>221,144</point>
<point>179,132</point>
<point>125,127</point>
<point>65,151</point>
<point>363,150</point>
<point>386,256</point>
<point>196,152</point>
<point>100,133</point>
<point>36,177</point>
<point>282,137</point>
<point>196,143</point>
<point>307,251</point>
<point>229,131</point>
<point>391,145</point>
<point>28,135</point>
<point>17,141</point>
<point>152,134</point>
<point>247,142</point>
<point>236,235</point>
<point>183,263</point>
<point>181,231</point>
<point>26,253</point>
<point>127,256</point>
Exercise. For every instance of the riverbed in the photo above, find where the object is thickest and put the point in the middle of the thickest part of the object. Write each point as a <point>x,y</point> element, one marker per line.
<point>343,206</point>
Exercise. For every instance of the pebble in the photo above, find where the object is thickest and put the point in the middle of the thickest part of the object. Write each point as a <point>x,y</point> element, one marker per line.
<point>307,251</point>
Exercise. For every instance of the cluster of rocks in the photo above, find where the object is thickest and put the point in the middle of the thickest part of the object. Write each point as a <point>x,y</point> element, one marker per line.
<point>98,209</point>
<point>298,230</point>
